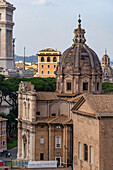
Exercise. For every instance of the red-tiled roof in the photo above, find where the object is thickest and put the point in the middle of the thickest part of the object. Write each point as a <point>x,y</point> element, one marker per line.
<point>2,119</point>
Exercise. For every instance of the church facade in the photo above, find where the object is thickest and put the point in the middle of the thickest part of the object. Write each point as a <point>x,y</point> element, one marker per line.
<point>74,124</point>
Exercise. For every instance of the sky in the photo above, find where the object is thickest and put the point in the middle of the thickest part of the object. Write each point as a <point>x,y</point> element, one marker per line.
<point>41,24</point>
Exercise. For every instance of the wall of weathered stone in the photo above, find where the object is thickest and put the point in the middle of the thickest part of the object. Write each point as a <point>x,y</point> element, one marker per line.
<point>85,131</point>
<point>106,143</point>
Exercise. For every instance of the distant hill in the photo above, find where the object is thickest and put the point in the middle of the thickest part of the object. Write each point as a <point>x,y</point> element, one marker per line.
<point>30,59</point>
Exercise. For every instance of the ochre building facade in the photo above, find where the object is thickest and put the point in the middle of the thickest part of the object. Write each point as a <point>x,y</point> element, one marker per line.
<point>47,62</point>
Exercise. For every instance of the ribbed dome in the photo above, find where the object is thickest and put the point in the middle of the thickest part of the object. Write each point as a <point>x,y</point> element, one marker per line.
<point>79,69</point>
<point>85,55</point>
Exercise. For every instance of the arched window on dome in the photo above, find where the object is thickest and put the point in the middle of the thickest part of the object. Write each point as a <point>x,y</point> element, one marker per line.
<point>48,59</point>
<point>54,59</point>
<point>42,59</point>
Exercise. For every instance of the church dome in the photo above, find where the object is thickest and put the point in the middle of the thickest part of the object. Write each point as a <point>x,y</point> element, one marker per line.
<point>81,57</point>
<point>79,69</point>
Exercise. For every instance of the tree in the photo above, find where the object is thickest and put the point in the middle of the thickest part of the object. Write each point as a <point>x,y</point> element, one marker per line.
<point>107,87</point>
<point>9,88</point>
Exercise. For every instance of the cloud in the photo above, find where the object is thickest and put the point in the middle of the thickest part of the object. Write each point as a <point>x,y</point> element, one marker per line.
<point>40,2</point>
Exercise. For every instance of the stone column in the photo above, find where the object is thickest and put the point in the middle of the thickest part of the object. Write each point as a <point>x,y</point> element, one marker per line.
<point>50,156</point>
<point>65,144</point>
<point>19,155</point>
<point>20,105</point>
<point>32,146</point>
<point>77,84</point>
<point>32,114</point>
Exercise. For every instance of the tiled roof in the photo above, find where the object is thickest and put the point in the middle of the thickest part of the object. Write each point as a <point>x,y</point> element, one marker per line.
<point>47,96</point>
<point>62,119</point>
<point>48,49</point>
<point>41,95</point>
<point>100,103</point>
<point>2,119</point>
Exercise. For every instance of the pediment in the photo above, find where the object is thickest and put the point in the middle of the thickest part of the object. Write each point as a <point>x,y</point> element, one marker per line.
<point>68,76</point>
<point>85,76</point>
<point>82,106</point>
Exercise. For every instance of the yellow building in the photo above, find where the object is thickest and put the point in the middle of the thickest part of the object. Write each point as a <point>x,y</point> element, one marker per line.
<point>47,62</point>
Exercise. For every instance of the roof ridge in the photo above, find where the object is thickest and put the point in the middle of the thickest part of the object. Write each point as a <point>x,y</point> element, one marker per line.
<point>54,119</point>
<point>88,101</point>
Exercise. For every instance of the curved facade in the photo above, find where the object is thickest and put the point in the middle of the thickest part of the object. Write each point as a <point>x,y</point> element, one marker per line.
<point>79,69</point>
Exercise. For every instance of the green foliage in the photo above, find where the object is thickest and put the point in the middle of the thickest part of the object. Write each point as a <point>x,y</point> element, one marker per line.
<point>107,87</point>
<point>12,144</point>
<point>9,87</point>
<point>2,78</point>
<point>40,84</point>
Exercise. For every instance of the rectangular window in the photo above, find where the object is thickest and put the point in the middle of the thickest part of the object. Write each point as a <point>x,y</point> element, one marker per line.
<point>53,114</point>
<point>58,142</point>
<point>41,140</point>
<point>42,66</point>
<point>41,156</point>
<point>0,16</point>
<point>85,152</point>
<point>48,66</point>
<point>58,154</point>
<point>85,86</point>
<point>80,151</point>
<point>42,72</point>
<point>58,127</point>
<point>48,72</point>
<point>68,86</point>
<point>42,126</point>
<point>3,123</point>
<point>54,66</point>
<point>37,114</point>
<point>97,86</point>
<point>91,155</point>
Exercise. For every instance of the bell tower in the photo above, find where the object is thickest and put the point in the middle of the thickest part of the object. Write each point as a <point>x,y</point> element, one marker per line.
<point>6,34</point>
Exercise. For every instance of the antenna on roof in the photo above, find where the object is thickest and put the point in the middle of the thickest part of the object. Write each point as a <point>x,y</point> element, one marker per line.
<point>24,57</point>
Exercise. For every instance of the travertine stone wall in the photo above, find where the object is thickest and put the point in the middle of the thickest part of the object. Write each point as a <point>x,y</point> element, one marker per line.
<point>106,143</point>
<point>85,131</point>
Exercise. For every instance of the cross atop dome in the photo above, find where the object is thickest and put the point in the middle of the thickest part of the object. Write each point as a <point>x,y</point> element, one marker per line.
<point>79,22</point>
<point>105,51</point>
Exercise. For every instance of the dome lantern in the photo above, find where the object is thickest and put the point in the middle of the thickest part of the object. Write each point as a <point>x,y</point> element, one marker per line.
<point>79,33</point>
